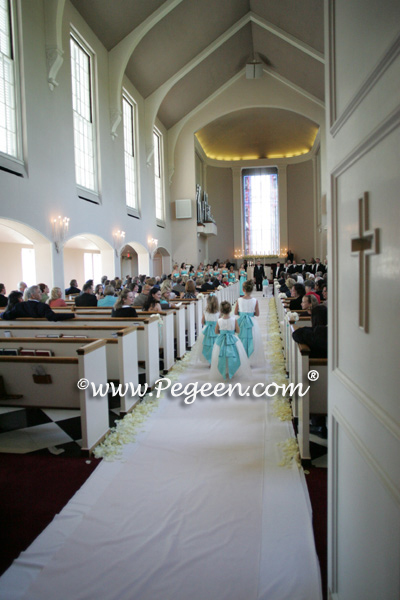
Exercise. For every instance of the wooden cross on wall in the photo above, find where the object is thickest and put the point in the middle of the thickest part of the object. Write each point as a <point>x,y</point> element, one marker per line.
<point>363,246</point>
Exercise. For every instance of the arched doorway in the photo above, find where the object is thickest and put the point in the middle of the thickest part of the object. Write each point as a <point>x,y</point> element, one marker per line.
<point>29,255</point>
<point>142,266</point>
<point>161,262</point>
<point>129,262</point>
<point>88,256</point>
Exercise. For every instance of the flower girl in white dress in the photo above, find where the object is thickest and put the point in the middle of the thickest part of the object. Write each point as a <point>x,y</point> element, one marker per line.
<point>229,358</point>
<point>250,334</point>
<point>205,343</point>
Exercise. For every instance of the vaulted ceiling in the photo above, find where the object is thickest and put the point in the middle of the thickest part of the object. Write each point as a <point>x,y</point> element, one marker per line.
<point>217,38</point>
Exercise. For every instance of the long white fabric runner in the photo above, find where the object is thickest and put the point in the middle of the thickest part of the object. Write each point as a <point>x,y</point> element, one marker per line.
<point>200,510</point>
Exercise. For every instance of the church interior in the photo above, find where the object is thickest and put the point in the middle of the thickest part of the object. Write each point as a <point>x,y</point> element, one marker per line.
<point>126,131</point>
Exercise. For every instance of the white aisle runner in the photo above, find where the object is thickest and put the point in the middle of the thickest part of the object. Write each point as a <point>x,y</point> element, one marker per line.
<point>199,511</point>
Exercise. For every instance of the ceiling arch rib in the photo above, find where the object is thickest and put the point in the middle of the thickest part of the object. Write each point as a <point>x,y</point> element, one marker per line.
<point>154,101</point>
<point>119,57</point>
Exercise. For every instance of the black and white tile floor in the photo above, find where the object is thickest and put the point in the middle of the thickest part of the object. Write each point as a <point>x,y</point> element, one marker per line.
<point>40,431</point>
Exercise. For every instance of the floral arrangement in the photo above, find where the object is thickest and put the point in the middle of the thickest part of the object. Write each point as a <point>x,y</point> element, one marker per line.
<point>292,316</point>
<point>291,453</point>
<point>200,296</point>
<point>282,295</point>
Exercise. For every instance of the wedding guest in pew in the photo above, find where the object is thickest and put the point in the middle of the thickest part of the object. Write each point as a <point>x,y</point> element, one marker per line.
<point>3,297</point>
<point>109,298</point>
<point>99,292</point>
<point>45,292</point>
<point>55,300</point>
<point>310,287</point>
<point>73,288</point>
<point>87,297</point>
<point>308,302</point>
<point>153,303</point>
<point>179,287</point>
<point>14,297</point>
<point>207,285</point>
<point>325,294</point>
<point>123,306</point>
<point>142,298</point>
<point>297,292</point>
<point>190,290</point>
<point>34,308</point>
<point>22,286</point>
<point>316,336</point>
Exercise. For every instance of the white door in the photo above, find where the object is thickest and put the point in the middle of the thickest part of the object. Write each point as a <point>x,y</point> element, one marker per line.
<point>363,150</point>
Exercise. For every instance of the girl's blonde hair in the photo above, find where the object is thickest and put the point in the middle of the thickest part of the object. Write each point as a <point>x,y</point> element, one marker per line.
<point>121,297</point>
<point>212,304</point>
<point>225,307</point>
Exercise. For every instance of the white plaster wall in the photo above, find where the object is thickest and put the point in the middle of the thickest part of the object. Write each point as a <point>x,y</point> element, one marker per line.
<point>49,189</point>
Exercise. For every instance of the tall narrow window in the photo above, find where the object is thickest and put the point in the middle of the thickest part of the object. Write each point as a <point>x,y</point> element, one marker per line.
<point>158,174</point>
<point>28,263</point>
<point>261,211</point>
<point>9,101</point>
<point>84,122</point>
<point>129,114</point>
<point>92,266</point>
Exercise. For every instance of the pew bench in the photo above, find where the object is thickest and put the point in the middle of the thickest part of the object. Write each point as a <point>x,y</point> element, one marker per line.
<point>121,355</point>
<point>51,382</point>
<point>315,401</point>
<point>147,335</point>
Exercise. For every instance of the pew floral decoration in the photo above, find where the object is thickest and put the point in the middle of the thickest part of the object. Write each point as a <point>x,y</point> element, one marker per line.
<point>125,431</point>
<point>200,296</point>
<point>291,453</point>
<point>292,316</point>
<point>220,287</point>
<point>281,409</point>
<point>282,295</point>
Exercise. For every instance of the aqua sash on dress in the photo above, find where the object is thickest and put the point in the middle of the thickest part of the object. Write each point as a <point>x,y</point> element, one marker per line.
<point>246,331</point>
<point>200,274</point>
<point>209,339</point>
<point>228,353</point>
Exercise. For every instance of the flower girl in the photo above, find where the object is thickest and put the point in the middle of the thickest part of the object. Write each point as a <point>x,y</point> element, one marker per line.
<point>202,351</point>
<point>250,334</point>
<point>228,356</point>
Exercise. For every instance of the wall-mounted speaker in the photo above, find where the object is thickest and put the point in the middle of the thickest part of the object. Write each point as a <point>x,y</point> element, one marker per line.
<point>183,209</point>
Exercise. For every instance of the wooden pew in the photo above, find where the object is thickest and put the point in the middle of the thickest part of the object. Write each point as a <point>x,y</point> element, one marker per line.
<point>121,354</point>
<point>147,331</point>
<point>315,401</point>
<point>55,386</point>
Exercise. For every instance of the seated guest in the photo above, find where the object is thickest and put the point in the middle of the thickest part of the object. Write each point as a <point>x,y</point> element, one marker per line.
<point>3,297</point>
<point>22,286</point>
<point>14,298</point>
<point>325,294</point>
<point>45,292</point>
<point>56,298</point>
<point>109,298</point>
<point>190,290</point>
<point>153,300</point>
<point>207,285</point>
<point>217,281</point>
<point>308,302</point>
<point>141,298</point>
<point>34,308</point>
<point>309,287</point>
<point>316,336</point>
<point>123,305</point>
<point>179,287</point>
<point>99,292</point>
<point>73,288</point>
<point>297,293</point>
<point>87,297</point>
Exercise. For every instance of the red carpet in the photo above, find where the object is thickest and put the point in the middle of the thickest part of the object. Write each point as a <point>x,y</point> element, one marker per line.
<point>33,489</point>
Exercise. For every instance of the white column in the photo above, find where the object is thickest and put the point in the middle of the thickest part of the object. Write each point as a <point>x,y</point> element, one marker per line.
<point>237,208</point>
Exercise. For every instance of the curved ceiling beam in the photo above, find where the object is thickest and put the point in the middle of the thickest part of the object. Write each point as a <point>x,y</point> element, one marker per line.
<point>119,57</point>
<point>53,15</point>
<point>153,102</point>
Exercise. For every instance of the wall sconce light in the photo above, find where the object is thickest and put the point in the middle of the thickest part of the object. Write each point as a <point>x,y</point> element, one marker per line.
<point>238,253</point>
<point>152,243</point>
<point>118,237</point>
<point>59,230</point>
